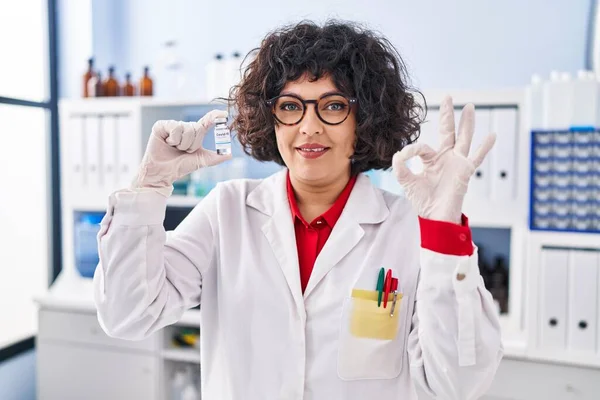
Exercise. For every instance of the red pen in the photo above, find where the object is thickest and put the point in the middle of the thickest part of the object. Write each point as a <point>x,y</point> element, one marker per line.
<point>387,287</point>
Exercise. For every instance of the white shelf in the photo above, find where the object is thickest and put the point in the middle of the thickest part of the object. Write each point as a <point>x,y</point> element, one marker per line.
<point>94,104</point>
<point>190,318</point>
<point>99,202</point>
<point>183,201</point>
<point>183,355</point>
<point>496,97</point>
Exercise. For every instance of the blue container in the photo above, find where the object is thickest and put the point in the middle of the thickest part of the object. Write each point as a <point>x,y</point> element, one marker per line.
<point>85,231</point>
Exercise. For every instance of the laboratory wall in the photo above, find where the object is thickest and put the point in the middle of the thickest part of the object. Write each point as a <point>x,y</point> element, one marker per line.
<point>467,44</point>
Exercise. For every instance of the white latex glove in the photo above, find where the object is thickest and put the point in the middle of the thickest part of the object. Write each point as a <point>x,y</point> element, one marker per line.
<point>438,191</point>
<point>175,150</point>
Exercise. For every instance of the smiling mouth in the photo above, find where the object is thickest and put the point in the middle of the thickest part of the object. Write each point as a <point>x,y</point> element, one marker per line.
<point>316,149</point>
<point>313,152</point>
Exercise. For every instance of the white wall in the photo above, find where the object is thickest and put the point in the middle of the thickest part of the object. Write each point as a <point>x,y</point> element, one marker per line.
<point>74,44</point>
<point>447,44</point>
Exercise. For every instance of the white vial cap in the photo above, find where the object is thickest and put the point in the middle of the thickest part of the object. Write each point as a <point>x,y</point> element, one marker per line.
<point>221,120</point>
<point>565,77</point>
<point>582,74</point>
<point>554,76</point>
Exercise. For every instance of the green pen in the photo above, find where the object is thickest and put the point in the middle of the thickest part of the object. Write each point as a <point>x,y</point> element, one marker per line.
<point>380,280</point>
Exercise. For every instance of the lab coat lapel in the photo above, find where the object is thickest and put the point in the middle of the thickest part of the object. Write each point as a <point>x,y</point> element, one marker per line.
<point>365,206</point>
<point>270,198</point>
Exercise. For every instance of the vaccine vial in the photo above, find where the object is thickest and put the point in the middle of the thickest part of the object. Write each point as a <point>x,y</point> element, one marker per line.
<point>222,137</point>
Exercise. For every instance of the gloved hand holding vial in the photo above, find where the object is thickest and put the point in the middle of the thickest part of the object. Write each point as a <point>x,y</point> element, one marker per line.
<point>175,150</point>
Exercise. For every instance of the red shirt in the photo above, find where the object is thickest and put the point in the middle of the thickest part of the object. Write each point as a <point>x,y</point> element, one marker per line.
<point>439,236</point>
<point>311,237</point>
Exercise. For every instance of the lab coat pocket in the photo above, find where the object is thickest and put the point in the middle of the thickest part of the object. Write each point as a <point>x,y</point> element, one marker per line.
<point>371,339</point>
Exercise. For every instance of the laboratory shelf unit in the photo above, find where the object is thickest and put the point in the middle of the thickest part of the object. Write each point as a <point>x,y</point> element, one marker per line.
<point>74,353</point>
<point>102,144</point>
<point>497,199</point>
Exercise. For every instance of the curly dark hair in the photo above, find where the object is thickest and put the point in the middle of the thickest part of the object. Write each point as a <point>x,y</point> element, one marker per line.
<point>361,63</point>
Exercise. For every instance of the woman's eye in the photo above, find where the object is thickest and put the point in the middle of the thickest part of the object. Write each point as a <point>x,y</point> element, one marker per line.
<point>336,107</point>
<point>290,107</point>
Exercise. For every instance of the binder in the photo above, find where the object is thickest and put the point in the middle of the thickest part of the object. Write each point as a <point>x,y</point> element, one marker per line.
<point>127,150</point>
<point>479,186</point>
<point>583,300</point>
<point>553,298</point>
<point>108,126</point>
<point>76,168</point>
<point>92,150</point>
<point>503,156</point>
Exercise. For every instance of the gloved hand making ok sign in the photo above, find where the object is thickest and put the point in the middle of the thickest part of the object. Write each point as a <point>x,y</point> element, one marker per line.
<point>175,150</point>
<point>438,192</point>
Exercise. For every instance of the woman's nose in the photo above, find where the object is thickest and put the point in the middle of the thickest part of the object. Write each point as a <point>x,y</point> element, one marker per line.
<point>311,124</point>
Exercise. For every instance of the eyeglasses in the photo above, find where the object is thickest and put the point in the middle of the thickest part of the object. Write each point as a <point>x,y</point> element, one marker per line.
<point>332,109</point>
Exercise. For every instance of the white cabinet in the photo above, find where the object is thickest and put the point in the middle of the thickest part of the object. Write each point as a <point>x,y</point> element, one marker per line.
<point>528,380</point>
<point>77,360</point>
<point>83,328</point>
<point>531,380</point>
<point>67,371</point>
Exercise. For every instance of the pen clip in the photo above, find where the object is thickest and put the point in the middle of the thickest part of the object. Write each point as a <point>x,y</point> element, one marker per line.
<point>395,291</point>
<point>394,303</point>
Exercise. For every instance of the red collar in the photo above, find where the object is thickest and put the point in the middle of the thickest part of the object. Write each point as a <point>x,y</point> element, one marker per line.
<point>330,216</point>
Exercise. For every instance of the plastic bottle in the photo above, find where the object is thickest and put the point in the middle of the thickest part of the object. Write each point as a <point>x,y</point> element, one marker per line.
<point>584,106</point>
<point>535,103</point>
<point>190,392</point>
<point>237,168</point>
<point>200,182</point>
<point>557,98</point>
<point>232,71</point>
<point>178,383</point>
<point>214,77</point>
<point>146,84</point>
<point>89,74</point>
<point>86,228</point>
<point>222,137</point>
<point>173,79</point>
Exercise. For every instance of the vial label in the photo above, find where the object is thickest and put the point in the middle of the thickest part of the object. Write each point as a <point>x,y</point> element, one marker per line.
<point>222,139</point>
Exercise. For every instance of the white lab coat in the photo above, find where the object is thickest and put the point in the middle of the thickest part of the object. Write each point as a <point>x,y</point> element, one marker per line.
<point>261,337</point>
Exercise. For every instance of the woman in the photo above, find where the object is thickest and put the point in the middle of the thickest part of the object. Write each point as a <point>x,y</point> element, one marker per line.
<point>291,272</point>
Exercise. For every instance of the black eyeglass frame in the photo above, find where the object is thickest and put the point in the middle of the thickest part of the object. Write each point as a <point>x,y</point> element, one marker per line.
<point>352,102</point>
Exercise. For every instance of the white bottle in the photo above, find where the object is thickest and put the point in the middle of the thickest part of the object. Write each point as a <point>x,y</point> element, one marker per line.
<point>237,168</point>
<point>558,96</point>
<point>214,77</point>
<point>172,82</point>
<point>222,137</point>
<point>178,383</point>
<point>190,393</point>
<point>232,73</point>
<point>585,100</point>
<point>535,103</point>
